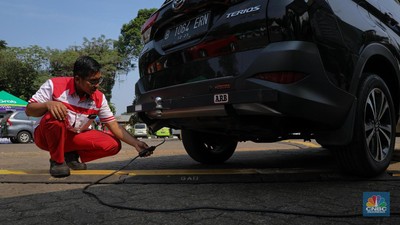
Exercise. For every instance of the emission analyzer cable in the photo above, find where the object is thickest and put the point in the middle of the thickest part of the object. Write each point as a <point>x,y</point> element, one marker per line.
<point>159,210</point>
<point>141,154</point>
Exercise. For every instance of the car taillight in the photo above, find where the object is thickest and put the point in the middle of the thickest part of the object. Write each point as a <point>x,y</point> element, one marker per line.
<point>146,28</point>
<point>9,122</point>
<point>281,77</point>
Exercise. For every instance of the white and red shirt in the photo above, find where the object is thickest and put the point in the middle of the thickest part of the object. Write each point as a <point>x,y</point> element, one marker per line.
<point>62,89</point>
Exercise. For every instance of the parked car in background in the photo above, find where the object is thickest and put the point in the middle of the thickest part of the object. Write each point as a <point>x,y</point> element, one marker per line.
<point>177,133</point>
<point>141,130</point>
<point>269,70</point>
<point>163,132</point>
<point>18,127</point>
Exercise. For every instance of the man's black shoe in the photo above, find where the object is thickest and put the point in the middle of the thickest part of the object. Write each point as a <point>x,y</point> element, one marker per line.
<point>59,169</point>
<point>72,160</point>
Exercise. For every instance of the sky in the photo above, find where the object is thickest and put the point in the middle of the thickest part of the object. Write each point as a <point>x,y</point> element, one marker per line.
<point>58,24</point>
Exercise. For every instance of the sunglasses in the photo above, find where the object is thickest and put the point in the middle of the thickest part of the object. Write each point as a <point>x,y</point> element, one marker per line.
<point>95,81</point>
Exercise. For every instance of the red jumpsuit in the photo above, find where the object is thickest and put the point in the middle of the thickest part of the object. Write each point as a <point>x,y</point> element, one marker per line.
<point>52,135</point>
<point>71,134</point>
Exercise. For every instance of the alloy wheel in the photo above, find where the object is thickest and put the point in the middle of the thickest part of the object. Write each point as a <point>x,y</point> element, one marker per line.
<point>377,122</point>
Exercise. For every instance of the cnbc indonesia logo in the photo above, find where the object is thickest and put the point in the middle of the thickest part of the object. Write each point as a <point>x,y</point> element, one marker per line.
<point>376,204</point>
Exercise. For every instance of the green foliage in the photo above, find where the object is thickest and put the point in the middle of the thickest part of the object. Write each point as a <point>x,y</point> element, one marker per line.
<point>34,55</point>
<point>17,77</point>
<point>3,44</point>
<point>129,43</point>
<point>61,63</point>
<point>134,119</point>
<point>103,51</point>
<point>23,70</point>
<point>112,107</point>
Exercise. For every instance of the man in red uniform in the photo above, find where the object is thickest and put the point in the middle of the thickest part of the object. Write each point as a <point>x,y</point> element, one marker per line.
<point>68,106</point>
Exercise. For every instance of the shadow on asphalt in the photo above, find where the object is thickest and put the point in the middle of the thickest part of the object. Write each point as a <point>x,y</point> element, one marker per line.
<point>316,164</point>
<point>307,158</point>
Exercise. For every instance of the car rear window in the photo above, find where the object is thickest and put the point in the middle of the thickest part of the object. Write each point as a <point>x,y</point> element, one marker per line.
<point>140,126</point>
<point>21,116</point>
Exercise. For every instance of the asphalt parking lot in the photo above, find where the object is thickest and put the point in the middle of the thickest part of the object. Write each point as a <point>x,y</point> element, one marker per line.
<point>288,182</point>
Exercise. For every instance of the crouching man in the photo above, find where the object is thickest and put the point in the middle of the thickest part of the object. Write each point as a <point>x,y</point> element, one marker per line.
<point>68,106</point>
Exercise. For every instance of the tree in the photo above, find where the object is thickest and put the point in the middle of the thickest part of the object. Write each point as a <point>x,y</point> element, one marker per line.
<point>17,77</point>
<point>38,59</point>
<point>23,70</point>
<point>34,55</point>
<point>61,63</point>
<point>129,43</point>
<point>103,51</point>
<point>3,44</point>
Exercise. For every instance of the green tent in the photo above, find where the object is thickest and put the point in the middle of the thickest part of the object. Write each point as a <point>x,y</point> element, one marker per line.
<point>10,102</point>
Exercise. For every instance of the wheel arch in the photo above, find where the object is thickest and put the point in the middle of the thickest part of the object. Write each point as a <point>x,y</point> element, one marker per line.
<point>378,59</point>
<point>25,131</point>
<point>374,59</point>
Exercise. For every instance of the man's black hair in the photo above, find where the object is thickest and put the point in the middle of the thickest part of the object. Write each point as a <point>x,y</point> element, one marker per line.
<point>86,66</point>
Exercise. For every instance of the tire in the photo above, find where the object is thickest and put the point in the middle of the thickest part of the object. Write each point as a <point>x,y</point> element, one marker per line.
<point>372,147</point>
<point>24,137</point>
<point>13,140</point>
<point>208,148</point>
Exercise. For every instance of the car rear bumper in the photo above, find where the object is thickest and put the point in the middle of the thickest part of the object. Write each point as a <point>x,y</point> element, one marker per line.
<point>314,98</point>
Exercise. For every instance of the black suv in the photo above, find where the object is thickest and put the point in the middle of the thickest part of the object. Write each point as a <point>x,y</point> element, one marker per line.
<point>225,71</point>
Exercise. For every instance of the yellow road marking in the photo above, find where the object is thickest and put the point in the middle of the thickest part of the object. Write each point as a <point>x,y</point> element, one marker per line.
<point>137,172</point>
<point>13,172</point>
<point>182,172</point>
<point>193,172</point>
<point>308,144</point>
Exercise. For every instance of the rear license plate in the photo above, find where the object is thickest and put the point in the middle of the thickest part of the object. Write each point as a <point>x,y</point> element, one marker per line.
<point>187,30</point>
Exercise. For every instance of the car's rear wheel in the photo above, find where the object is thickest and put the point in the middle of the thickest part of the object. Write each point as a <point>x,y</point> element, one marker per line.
<point>24,137</point>
<point>208,148</point>
<point>372,147</point>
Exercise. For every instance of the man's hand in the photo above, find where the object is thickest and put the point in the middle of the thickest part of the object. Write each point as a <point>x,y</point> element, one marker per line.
<point>141,146</point>
<point>57,109</point>
<point>123,135</point>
